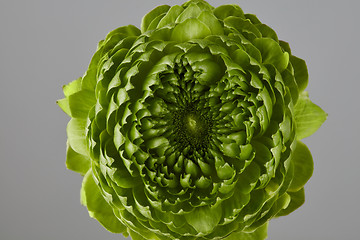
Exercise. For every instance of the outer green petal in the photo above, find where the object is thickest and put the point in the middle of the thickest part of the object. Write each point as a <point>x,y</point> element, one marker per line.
<point>203,5</point>
<point>64,105</point>
<point>212,22</point>
<point>77,135</point>
<point>204,219</point>
<point>98,207</point>
<point>303,166</point>
<point>148,18</point>
<point>190,29</point>
<point>259,234</point>
<point>285,46</point>
<point>297,199</point>
<point>171,16</point>
<point>69,89</point>
<point>266,31</point>
<point>272,53</point>
<point>72,87</point>
<point>225,11</point>
<point>191,11</point>
<point>308,116</point>
<point>300,72</point>
<point>81,102</point>
<point>77,162</point>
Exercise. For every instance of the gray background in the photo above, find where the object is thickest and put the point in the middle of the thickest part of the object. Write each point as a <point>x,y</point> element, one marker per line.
<point>45,44</point>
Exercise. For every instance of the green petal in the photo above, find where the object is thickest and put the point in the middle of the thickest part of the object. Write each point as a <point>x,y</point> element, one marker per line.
<point>77,135</point>
<point>259,234</point>
<point>290,82</point>
<point>192,11</point>
<point>272,53</point>
<point>170,16</point>
<point>253,18</point>
<point>64,105</point>
<point>303,166</point>
<point>190,29</point>
<point>136,236</point>
<point>148,18</point>
<point>204,219</point>
<point>98,208</point>
<point>285,46</point>
<point>242,25</point>
<point>225,11</point>
<point>212,22</point>
<point>81,102</point>
<point>300,72</point>
<point>77,162</point>
<point>69,89</point>
<point>154,24</point>
<point>267,32</point>
<point>297,199</point>
<point>72,87</point>
<point>308,116</point>
<point>203,5</point>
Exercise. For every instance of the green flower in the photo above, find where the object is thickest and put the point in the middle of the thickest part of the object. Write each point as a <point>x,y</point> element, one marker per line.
<point>190,128</point>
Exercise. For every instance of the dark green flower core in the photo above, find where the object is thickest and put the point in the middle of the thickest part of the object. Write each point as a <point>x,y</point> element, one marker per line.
<point>189,128</point>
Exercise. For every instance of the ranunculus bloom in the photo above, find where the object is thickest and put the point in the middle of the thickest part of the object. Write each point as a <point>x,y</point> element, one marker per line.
<point>190,128</point>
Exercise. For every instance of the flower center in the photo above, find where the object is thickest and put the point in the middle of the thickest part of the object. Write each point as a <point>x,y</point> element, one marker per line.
<point>194,125</point>
<point>192,128</point>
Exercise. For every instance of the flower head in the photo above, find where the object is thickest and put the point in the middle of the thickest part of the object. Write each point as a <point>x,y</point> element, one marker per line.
<point>190,128</point>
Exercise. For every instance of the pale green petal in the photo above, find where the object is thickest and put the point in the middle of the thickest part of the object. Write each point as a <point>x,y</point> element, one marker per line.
<point>272,53</point>
<point>77,136</point>
<point>148,18</point>
<point>259,234</point>
<point>303,166</point>
<point>98,208</point>
<point>190,29</point>
<point>308,116</point>
<point>204,219</point>
<point>76,161</point>
<point>297,199</point>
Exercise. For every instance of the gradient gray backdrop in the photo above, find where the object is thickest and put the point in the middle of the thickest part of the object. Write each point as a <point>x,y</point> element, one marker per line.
<point>45,44</point>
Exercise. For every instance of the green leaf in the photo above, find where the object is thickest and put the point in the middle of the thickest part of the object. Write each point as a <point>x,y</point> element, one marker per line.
<point>297,199</point>
<point>300,72</point>
<point>148,18</point>
<point>77,162</point>
<point>308,116</point>
<point>272,53</point>
<point>190,29</point>
<point>259,234</point>
<point>204,219</point>
<point>303,165</point>
<point>77,135</point>
<point>98,208</point>
<point>81,102</point>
